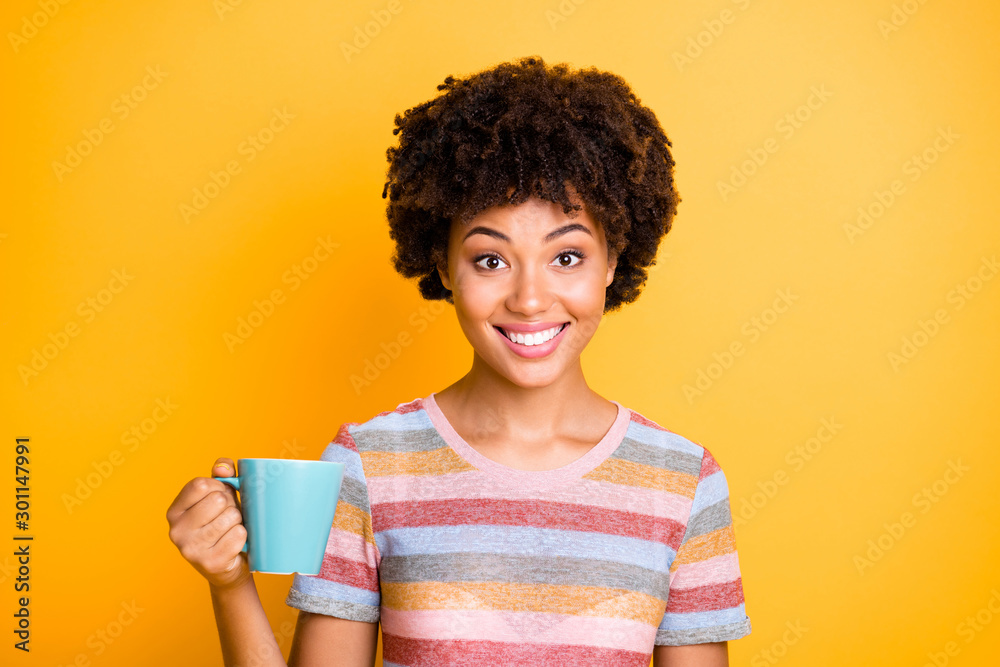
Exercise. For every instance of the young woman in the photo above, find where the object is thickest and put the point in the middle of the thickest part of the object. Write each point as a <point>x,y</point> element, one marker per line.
<point>516,517</point>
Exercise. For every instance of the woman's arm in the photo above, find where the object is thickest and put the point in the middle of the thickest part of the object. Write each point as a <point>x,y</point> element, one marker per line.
<point>247,638</point>
<point>713,654</point>
<point>321,641</point>
<point>206,525</point>
<point>244,631</point>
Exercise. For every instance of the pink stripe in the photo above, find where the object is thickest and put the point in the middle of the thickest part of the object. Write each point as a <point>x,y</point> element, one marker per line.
<point>519,627</point>
<point>345,545</point>
<point>474,484</point>
<point>718,570</point>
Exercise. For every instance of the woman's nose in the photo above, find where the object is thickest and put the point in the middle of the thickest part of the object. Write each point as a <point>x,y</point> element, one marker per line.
<point>530,292</point>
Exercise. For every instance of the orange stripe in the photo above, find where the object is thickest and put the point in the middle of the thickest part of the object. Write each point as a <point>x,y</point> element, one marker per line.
<point>717,543</point>
<point>352,520</point>
<point>435,462</point>
<point>629,473</point>
<point>496,596</point>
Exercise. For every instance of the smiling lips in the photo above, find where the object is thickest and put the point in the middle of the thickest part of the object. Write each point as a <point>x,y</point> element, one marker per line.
<point>533,342</point>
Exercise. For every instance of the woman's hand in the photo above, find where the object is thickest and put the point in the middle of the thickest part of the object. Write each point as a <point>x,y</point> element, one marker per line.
<point>207,526</point>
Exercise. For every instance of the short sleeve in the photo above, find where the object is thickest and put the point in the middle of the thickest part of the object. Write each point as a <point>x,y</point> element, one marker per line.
<point>705,602</point>
<point>348,584</point>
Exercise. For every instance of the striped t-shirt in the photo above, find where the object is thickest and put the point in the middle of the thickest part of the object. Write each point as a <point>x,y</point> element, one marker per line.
<point>466,561</point>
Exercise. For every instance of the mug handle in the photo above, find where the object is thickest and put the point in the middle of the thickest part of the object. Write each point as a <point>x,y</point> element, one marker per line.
<point>235,483</point>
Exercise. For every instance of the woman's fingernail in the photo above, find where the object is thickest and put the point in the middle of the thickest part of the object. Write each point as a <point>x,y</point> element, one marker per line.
<point>222,465</point>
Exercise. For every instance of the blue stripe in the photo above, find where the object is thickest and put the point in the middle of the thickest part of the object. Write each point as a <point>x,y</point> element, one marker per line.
<point>312,585</point>
<point>710,490</point>
<point>396,421</point>
<point>703,619</point>
<point>351,460</point>
<point>663,439</point>
<point>521,540</point>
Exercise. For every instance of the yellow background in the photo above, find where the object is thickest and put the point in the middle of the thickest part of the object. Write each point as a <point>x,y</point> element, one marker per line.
<point>285,390</point>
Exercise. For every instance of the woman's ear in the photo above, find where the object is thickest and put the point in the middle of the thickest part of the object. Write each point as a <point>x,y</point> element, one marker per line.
<point>612,263</point>
<point>442,269</point>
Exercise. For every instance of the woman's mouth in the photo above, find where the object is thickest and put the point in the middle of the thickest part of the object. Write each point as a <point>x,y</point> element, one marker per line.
<point>534,345</point>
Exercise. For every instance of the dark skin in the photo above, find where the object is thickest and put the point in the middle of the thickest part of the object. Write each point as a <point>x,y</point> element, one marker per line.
<point>713,654</point>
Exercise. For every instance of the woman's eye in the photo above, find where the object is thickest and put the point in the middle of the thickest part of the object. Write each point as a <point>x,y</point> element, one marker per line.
<point>564,255</point>
<point>492,262</point>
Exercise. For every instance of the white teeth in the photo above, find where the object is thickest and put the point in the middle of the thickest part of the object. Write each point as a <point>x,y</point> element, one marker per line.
<point>537,338</point>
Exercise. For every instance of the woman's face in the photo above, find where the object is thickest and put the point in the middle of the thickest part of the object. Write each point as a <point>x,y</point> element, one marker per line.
<point>528,267</point>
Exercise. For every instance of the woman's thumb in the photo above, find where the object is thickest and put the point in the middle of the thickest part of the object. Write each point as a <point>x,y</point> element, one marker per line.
<point>224,467</point>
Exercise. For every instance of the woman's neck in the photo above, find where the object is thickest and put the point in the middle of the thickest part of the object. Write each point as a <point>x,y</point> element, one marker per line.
<point>503,410</point>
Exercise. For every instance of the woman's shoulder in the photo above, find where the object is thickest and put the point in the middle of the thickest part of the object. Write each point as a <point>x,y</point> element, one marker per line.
<point>387,432</point>
<point>408,416</point>
<point>403,412</point>
<point>651,433</point>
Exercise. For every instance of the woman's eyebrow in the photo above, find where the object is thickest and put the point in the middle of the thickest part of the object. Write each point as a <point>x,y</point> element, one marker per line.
<point>565,229</point>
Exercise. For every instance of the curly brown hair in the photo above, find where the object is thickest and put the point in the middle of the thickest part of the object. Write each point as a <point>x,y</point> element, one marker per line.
<point>520,129</point>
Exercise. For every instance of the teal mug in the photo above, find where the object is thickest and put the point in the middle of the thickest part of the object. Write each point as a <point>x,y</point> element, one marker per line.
<point>288,507</point>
